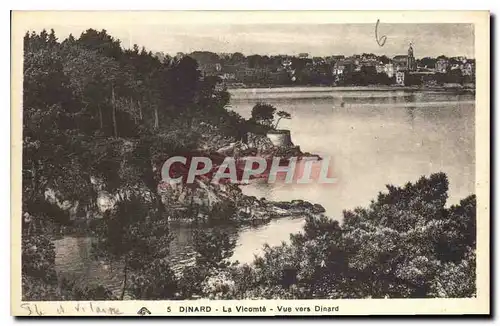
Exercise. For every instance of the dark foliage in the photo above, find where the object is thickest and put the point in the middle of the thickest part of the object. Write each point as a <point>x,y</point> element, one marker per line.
<point>92,110</point>
<point>406,244</point>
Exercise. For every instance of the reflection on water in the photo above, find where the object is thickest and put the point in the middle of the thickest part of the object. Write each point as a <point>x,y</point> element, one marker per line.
<point>74,254</point>
<point>74,260</point>
<point>373,138</point>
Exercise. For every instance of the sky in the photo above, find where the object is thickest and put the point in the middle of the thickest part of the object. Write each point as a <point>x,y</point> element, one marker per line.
<point>270,39</point>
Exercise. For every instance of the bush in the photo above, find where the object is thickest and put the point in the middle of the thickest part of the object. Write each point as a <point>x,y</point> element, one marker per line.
<point>404,245</point>
<point>156,282</point>
<point>71,290</point>
<point>222,212</point>
<point>38,258</point>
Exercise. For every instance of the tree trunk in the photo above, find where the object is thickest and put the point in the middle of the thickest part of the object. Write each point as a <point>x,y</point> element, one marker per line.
<point>140,110</point>
<point>276,125</point>
<point>132,109</point>
<point>115,128</point>
<point>157,122</point>
<point>124,286</point>
<point>159,206</point>
<point>101,124</point>
<point>34,180</point>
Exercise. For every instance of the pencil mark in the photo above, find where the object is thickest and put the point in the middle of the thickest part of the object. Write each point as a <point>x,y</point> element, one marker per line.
<point>383,38</point>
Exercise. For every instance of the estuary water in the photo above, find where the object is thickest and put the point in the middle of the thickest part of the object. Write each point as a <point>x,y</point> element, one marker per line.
<point>371,136</point>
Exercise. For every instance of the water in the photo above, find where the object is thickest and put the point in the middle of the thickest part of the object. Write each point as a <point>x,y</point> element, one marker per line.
<point>372,137</point>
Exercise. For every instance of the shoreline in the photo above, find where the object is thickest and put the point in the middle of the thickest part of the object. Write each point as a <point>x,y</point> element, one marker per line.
<point>320,88</point>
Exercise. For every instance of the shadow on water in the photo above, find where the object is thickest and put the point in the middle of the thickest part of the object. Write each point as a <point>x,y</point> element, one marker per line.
<point>410,109</point>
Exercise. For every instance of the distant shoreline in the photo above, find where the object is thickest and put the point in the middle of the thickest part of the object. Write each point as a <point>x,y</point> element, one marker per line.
<point>320,88</point>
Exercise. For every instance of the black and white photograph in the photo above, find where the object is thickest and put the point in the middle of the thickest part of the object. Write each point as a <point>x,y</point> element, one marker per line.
<point>184,161</point>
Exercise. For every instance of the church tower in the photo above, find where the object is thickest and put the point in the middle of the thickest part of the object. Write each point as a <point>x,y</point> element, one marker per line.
<point>411,59</point>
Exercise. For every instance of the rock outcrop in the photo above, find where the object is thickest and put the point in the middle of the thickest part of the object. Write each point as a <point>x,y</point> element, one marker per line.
<point>195,201</point>
<point>248,209</point>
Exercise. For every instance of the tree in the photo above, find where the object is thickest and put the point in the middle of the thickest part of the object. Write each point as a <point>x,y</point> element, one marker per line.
<point>213,249</point>
<point>255,61</point>
<point>99,118</point>
<point>101,42</point>
<point>384,59</point>
<point>237,57</point>
<point>50,131</point>
<point>406,244</point>
<point>185,81</point>
<point>428,62</point>
<point>67,121</point>
<point>263,113</point>
<point>155,282</point>
<point>140,242</point>
<point>93,78</point>
<point>282,115</point>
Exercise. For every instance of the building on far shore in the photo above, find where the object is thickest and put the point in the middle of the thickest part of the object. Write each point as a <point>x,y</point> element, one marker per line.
<point>409,78</point>
<point>380,68</point>
<point>405,67</point>
<point>405,62</point>
<point>411,64</point>
<point>342,68</point>
<point>468,69</point>
<point>400,78</point>
<point>400,62</point>
<point>441,65</point>
<point>389,70</point>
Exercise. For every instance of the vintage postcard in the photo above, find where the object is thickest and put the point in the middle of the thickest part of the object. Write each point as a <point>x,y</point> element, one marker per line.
<point>250,163</point>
